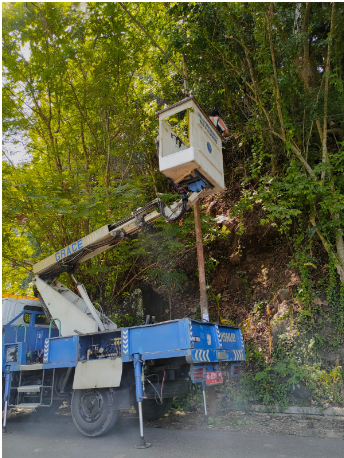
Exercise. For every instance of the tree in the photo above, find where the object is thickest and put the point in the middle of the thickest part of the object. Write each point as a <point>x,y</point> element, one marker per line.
<point>281,88</point>
<point>84,101</point>
<point>85,98</point>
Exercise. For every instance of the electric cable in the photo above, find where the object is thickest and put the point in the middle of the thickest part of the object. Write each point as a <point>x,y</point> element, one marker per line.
<point>162,386</point>
<point>177,216</point>
<point>156,391</point>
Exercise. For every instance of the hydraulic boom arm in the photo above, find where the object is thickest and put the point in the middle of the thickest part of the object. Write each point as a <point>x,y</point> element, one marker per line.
<point>78,314</point>
<point>109,235</point>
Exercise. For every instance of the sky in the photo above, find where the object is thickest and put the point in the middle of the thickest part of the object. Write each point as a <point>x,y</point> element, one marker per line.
<point>14,148</point>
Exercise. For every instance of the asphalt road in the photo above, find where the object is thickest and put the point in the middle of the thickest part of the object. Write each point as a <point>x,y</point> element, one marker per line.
<point>57,437</point>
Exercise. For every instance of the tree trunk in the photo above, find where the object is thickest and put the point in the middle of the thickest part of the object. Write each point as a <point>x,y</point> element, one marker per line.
<point>340,252</point>
<point>339,258</point>
<point>298,18</point>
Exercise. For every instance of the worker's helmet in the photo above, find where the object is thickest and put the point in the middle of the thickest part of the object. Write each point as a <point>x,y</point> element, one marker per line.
<point>214,113</point>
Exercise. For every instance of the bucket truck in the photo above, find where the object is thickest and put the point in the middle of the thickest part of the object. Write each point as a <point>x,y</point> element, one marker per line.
<point>65,349</point>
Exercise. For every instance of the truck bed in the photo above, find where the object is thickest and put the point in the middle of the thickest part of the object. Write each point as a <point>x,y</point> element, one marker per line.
<point>197,341</point>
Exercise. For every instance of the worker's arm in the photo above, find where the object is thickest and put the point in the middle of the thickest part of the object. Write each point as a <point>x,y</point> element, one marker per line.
<point>224,128</point>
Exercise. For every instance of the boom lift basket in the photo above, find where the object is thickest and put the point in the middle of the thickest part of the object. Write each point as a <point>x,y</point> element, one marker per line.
<point>197,162</point>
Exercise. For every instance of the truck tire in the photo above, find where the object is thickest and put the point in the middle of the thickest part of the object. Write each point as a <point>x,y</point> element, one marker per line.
<point>93,411</point>
<point>151,410</point>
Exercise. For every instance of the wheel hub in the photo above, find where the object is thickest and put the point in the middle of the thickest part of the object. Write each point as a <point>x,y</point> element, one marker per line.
<point>91,404</point>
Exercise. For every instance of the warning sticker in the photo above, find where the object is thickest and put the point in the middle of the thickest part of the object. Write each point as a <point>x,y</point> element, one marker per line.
<point>214,378</point>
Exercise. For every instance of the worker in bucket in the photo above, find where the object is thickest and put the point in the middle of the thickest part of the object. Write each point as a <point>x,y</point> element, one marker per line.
<point>218,123</point>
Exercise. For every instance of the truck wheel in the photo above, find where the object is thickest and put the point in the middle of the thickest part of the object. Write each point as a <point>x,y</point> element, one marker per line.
<point>92,411</point>
<point>151,410</point>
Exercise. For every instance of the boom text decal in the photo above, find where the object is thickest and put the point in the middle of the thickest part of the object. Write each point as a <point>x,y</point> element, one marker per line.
<point>69,250</point>
<point>207,128</point>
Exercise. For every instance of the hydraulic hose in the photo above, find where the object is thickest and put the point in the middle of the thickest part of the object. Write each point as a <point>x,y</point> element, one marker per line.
<point>174,216</point>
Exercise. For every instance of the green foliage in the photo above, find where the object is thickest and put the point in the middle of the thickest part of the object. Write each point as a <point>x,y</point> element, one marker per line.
<point>335,294</point>
<point>192,401</point>
<point>217,298</point>
<point>210,265</point>
<point>125,320</point>
<point>83,98</point>
<point>243,421</point>
<point>274,384</point>
<point>253,353</point>
<point>259,309</point>
<point>245,282</point>
<point>266,387</point>
<point>170,279</point>
<point>80,92</point>
<point>304,261</point>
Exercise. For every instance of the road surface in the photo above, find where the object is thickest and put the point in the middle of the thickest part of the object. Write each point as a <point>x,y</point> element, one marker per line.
<point>57,437</point>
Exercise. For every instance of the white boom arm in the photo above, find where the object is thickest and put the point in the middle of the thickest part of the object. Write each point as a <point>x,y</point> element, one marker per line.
<point>79,314</point>
<point>103,239</point>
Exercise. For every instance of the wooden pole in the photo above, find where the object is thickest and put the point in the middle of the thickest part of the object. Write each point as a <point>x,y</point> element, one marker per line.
<point>169,302</point>
<point>200,258</point>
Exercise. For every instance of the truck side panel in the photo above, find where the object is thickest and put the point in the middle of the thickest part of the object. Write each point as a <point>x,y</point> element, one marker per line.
<point>61,350</point>
<point>105,373</point>
<point>159,338</point>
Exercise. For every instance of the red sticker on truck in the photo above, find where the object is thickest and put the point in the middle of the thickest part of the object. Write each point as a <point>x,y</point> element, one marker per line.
<point>214,378</point>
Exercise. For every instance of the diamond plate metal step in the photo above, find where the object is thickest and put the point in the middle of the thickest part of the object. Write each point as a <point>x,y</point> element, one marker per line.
<point>29,405</point>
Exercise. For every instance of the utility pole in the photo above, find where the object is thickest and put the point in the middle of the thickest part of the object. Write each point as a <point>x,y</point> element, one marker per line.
<point>212,395</point>
<point>199,241</point>
<point>200,257</point>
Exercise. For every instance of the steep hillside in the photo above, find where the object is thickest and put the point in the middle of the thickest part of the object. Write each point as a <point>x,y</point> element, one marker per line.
<point>292,317</point>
